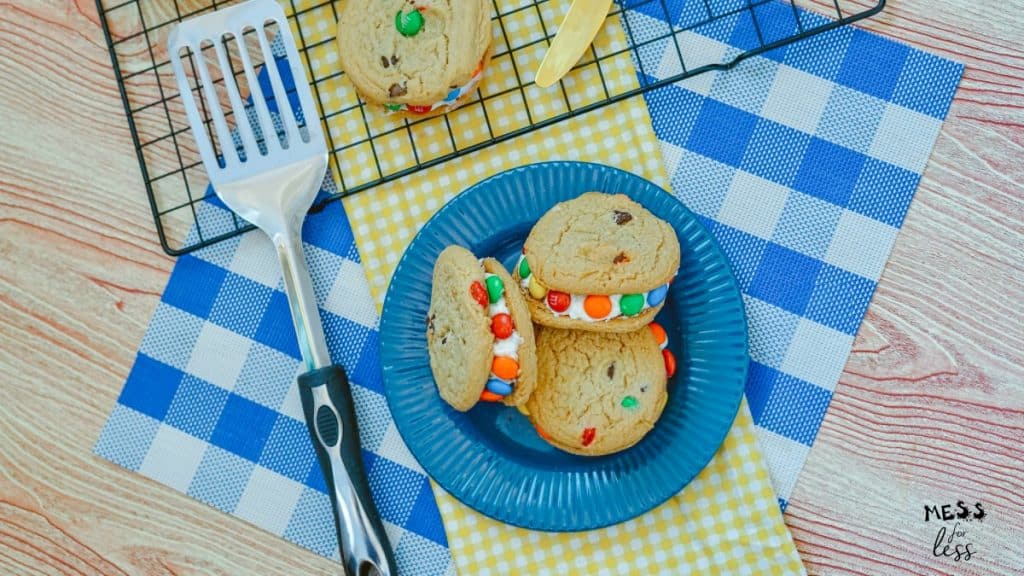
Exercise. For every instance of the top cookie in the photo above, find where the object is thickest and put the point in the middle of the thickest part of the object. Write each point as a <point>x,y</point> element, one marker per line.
<point>602,244</point>
<point>459,334</point>
<point>408,54</point>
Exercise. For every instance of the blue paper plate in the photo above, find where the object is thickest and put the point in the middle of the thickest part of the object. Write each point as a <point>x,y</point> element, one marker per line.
<point>491,458</point>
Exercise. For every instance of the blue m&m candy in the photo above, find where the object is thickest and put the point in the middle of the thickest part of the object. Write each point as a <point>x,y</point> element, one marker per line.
<point>657,296</point>
<point>499,387</point>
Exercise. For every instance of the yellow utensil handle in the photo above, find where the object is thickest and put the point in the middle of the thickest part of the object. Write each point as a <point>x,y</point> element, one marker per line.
<point>581,25</point>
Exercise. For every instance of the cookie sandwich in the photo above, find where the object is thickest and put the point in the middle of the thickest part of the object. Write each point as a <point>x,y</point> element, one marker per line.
<point>598,393</point>
<point>600,262</point>
<point>417,58</point>
<point>479,334</point>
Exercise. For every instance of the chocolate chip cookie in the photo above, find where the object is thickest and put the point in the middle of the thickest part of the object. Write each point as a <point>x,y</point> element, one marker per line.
<point>415,57</point>
<point>597,393</point>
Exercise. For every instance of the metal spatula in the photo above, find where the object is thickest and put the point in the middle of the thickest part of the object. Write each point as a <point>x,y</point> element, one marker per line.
<point>271,181</point>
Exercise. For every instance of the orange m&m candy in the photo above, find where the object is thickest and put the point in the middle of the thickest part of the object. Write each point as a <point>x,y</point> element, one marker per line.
<point>488,396</point>
<point>505,368</point>
<point>598,307</point>
<point>659,333</point>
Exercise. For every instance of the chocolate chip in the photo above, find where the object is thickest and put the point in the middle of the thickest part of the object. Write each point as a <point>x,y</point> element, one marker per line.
<point>620,258</point>
<point>430,323</point>
<point>397,90</point>
<point>444,339</point>
<point>394,59</point>
<point>611,370</point>
<point>622,217</point>
<point>384,62</point>
<point>643,389</point>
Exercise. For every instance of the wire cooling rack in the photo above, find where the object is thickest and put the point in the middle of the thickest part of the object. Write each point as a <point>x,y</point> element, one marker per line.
<point>369,146</point>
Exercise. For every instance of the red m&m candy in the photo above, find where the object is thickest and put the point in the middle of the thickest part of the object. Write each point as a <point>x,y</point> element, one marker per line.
<point>419,109</point>
<point>670,362</point>
<point>479,293</point>
<point>559,301</point>
<point>588,436</point>
<point>502,326</point>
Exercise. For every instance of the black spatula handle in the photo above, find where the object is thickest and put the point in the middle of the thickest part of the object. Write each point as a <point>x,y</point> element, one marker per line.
<point>331,419</point>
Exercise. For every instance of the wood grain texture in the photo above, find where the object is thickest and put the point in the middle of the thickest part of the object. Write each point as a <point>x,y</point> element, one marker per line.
<point>81,274</point>
<point>930,409</point>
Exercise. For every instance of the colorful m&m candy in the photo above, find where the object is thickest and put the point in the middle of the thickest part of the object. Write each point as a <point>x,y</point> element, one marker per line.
<point>659,334</point>
<point>588,436</point>
<point>488,396</point>
<point>597,307</point>
<point>495,288</point>
<point>670,362</point>
<point>479,293</point>
<point>631,304</point>
<point>657,296</point>
<point>559,301</point>
<point>502,326</point>
<point>409,23</point>
<point>499,387</point>
<point>537,290</point>
<point>524,268</point>
<point>505,368</point>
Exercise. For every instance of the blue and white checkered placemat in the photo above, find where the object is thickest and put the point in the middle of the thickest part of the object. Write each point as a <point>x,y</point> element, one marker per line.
<point>802,163</point>
<point>211,408</point>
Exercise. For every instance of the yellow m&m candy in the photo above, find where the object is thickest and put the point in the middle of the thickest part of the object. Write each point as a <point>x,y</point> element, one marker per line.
<point>537,290</point>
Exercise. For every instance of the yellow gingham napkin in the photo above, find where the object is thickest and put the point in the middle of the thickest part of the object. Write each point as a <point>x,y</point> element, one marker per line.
<point>727,521</point>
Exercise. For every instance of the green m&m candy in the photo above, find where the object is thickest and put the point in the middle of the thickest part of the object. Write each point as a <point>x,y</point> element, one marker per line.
<point>631,304</point>
<point>494,288</point>
<point>409,23</point>
<point>524,268</point>
<point>629,402</point>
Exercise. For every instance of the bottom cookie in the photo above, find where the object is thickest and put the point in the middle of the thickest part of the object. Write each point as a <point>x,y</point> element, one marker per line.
<point>597,393</point>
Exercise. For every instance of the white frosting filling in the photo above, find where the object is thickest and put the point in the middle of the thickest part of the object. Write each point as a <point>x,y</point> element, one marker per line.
<point>499,307</point>
<point>508,347</point>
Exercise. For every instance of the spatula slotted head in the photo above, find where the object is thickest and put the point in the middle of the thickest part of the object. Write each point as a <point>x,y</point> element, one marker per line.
<point>234,131</point>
